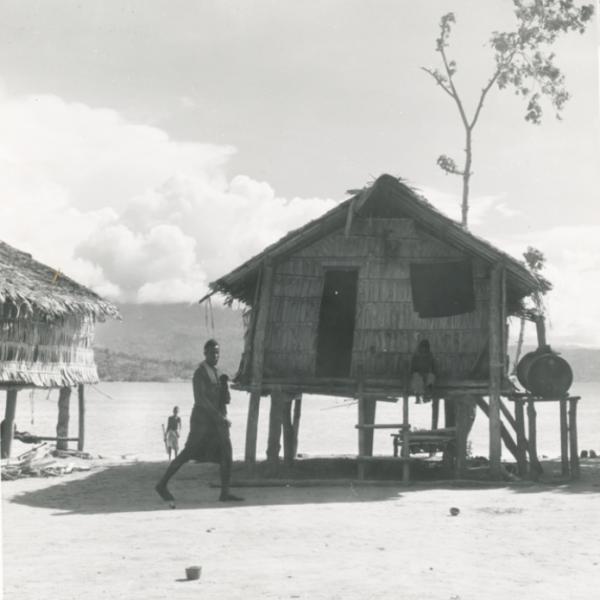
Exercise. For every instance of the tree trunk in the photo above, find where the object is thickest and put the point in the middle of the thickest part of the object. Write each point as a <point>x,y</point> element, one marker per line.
<point>62,427</point>
<point>466,180</point>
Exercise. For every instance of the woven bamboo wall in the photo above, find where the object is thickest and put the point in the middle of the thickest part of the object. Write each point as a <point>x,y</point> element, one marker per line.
<point>46,352</point>
<point>387,328</point>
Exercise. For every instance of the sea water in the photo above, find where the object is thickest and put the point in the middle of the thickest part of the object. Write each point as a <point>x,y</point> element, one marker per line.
<point>127,418</point>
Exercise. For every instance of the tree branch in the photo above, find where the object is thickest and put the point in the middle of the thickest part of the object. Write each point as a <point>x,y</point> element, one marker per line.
<point>488,87</point>
<point>453,91</point>
<point>439,81</point>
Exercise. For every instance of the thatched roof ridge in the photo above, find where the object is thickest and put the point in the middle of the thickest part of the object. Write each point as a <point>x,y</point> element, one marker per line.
<point>238,283</point>
<point>31,285</point>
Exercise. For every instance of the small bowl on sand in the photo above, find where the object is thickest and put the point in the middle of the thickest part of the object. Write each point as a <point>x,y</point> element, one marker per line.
<point>193,572</point>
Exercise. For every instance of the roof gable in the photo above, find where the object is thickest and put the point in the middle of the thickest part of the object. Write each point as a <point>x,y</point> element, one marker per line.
<point>387,197</point>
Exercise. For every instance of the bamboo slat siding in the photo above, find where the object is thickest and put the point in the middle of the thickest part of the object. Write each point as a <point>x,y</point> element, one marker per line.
<point>387,329</point>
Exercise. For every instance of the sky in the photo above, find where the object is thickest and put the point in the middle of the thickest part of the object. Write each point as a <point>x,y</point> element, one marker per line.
<point>148,147</point>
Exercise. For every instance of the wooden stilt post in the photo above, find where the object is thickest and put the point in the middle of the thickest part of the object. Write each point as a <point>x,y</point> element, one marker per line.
<point>535,468</point>
<point>462,432</point>
<point>573,438</point>
<point>258,354</point>
<point>564,438</point>
<point>297,413</point>
<point>362,420</point>
<point>496,362</point>
<point>288,431</point>
<point>81,415</point>
<point>370,406</point>
<point>521,439</point>
<point>405,439</point>
<point>290,427</point>
<point>9,422</point>
<point>435,413</point>
<point>275,424</point>
<point>62,426</point>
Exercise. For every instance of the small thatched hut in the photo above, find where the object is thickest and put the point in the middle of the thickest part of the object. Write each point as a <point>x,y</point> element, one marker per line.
<point>339,305</point>
<point>46,332</point>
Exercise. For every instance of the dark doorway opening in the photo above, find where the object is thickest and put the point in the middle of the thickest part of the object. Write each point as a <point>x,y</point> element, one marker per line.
<point>336,323</point>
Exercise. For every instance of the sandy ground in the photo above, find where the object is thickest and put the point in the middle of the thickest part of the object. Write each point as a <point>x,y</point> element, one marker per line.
<point>105,534</point>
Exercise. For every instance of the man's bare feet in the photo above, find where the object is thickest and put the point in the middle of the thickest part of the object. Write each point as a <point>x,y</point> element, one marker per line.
<point>165,494</point>
<point>227,497</point>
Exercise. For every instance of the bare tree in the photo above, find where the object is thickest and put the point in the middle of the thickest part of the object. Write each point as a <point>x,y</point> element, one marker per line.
<point>522,60</point>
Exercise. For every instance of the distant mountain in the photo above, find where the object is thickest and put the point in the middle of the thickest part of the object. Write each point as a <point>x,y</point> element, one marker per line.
<point>118,366</point>
<point>585,362</point>
<point>165,341</point>
<point>173,333</point>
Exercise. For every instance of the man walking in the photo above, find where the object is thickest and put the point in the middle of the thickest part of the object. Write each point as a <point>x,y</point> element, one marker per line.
<point>208,440</point>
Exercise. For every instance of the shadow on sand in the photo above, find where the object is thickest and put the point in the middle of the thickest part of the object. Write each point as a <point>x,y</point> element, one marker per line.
<point>129,487</point>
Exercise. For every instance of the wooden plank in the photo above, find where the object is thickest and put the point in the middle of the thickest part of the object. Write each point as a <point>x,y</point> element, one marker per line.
<point>508,415</point>
<point>9,422</point>
<point>275,425</point>
<point>564,438</point>
<point>361,421</point>
<point>385,459</point>
<point>496,362</point>
<point>369,409</point>
<point>258,353</point>
<point>505,435</point>
<point>379,425</point>
<point>425,439</point>
<point>81,417</point>
<point>435,413</point>
<point>291,426</point>
<point>573,439</point>
<point>535,466</point>
<point>521,439</point>
<point>405,439</point>
<point>463,426</point>
<point>297,413</point>
<point>62,426</point>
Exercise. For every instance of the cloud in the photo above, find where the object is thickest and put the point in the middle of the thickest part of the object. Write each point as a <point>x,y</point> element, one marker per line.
<point>123,208</point>
<point>573,266</point>
<point>572,263</point>
<point>481,208</point>
<point>141,217</point>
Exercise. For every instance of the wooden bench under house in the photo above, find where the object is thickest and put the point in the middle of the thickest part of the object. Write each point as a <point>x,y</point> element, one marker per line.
<point>338,307</point>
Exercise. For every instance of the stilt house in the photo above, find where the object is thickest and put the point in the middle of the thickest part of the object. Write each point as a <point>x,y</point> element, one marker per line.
<point>339,306</point>
<point>47,323</point>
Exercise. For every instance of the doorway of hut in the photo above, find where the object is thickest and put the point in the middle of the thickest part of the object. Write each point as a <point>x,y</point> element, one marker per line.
<point>336,323</point>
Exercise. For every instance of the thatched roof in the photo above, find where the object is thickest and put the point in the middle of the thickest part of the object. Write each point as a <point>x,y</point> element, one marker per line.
<point>31,285</point>
<point>387,196</point>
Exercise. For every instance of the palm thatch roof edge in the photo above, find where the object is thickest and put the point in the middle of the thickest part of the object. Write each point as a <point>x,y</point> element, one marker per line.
<point>30,285</point>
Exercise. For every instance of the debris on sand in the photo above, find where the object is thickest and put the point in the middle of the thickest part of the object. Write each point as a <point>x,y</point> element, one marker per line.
<point>44,461</point>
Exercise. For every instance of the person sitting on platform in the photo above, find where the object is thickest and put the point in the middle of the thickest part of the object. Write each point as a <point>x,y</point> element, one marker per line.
<point>422,372</point>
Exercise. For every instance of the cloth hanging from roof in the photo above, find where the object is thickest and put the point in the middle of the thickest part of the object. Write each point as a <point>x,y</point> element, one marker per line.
<point>442,289</point>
